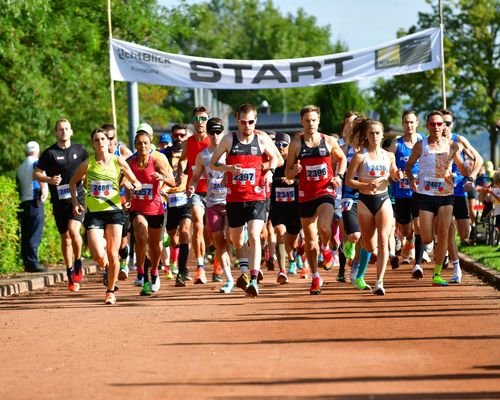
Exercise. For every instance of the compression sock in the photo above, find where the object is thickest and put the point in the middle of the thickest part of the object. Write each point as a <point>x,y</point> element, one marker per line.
<point>183,257</point>
<point>243,265</point>
<point>364,259</point>
<point>419,249</point>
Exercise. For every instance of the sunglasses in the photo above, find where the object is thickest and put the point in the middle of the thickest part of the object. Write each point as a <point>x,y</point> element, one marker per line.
<point>448,123</point>
<point>214,132</point>
<point>176,136</point>
<point>281,144</point>
<point>436,123</point>
<point>197,118</point>
<point>110,137</point>
<point>247,121</point>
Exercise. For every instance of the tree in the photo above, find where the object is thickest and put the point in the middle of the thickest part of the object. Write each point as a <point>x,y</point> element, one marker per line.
<point>472,69</point>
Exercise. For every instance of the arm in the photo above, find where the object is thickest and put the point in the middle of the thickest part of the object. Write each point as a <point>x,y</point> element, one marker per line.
<point>131,182</point>
<point>458,160</point>
<point>338,156</point>
<point>77,177</point>
<point>40,176</point>
<point>163,169</point>
<point>199,170</point>
<point>293,166</point>
<point>474,154</point>
<point>395,173</point>
<point>181,166</point>
<point>223,147</point>
<point>414,156</point>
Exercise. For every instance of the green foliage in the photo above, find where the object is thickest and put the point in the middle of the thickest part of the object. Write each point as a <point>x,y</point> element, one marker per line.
<point>10,244</point>
<point>486,255</point>
<point>50,247</point>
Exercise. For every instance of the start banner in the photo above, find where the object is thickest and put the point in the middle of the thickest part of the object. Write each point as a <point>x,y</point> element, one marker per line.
<point>417,52</point>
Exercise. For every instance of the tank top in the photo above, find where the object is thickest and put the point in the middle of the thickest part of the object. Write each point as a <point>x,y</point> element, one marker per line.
<point>282,193</point>
<point>401,189</point>
<point>459,180</point>
<point>102,185</point>
<point>147,200</point>
<point>347,191</point>
<point>374,169</point>
<point>245,186</point>
<point>193,148</point>
<point>216,191</point>
<point>317,173</point>
<point>433,165</point>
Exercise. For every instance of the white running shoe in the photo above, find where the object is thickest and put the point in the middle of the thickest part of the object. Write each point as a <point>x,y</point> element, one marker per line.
<point>155,286</point>
<point>418,272</point>
<point>139,281</point>
<point>379,289</point>
<point>457,277</point>
<point>425,257</point>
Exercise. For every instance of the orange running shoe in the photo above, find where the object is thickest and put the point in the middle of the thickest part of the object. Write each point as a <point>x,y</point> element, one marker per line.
<point>316,285</point>
<point>200,277</point>
<point>73,287</point>
<point>304,272</point>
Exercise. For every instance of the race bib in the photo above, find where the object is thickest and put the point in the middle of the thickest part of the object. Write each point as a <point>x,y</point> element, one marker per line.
<point>346,204</point>
<point>316,172</point>
<point>177,199</point>
<point>146,193</point>
<point>216,186</point>
<point>101,188</point>
<point>285,194</point>
<point>434,185</point>
<point>404,183</point>
<point>245,177</point>
<point>63,192</point>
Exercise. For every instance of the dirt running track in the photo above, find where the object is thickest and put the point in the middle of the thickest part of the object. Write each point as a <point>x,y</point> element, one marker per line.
<point>417,342</point>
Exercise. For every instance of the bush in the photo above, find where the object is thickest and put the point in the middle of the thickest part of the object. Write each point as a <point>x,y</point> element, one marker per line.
<point>10,231</point>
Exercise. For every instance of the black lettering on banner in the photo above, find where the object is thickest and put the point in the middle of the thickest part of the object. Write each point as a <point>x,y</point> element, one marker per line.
<point>275,74</point>
<point>238,68</point>
<point>311,68</point>
<point>339,64</point>
<point>207,67</point>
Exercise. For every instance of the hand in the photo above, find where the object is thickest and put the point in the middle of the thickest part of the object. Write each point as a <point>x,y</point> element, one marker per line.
<point>268,178</point>
<point>336,182</point>
<point>413,185</point>
<point>190,191</point>
<point>157,176</point>
<point>374,185</point>
<point>55,180</point>
<point>127,205</point>
<point>399,175</point>
<point>235,169</point>
<point>297,167</point>
<point>78,209</point>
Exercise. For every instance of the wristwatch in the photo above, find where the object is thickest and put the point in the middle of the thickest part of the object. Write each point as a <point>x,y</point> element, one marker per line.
<point>272,170</point>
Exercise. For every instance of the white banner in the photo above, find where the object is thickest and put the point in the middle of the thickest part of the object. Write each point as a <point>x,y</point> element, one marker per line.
<point>131,62</point>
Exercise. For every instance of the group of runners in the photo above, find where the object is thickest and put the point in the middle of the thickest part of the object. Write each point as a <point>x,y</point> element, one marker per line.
<point>318,202</point>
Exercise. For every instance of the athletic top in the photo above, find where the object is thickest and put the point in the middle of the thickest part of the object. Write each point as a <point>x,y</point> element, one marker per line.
<point>459,180</point>
<point>64,162</point>
<point>347,191</point>
<point>374,169</point>
<point>401,189</point>
<point>193,148</point>
<point>216,191</point>
<point>245,186</point>
<point>102,185</point>
<point>315,179</point>
<point>29,188</point>
<point>147,200</point>
<point>281,192</point>
<point>433,165</point>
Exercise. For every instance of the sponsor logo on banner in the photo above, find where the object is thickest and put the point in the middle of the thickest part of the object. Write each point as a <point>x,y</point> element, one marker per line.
<point>409,52</point>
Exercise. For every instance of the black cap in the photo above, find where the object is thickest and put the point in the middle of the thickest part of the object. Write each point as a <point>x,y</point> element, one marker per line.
<point>214,126</point>
<point>282,137</point>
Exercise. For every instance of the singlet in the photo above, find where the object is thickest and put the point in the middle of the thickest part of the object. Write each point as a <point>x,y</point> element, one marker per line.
<point>374,169</point>
<point>281,192</point>
<point>216,191</point>
<point>245,186</point>
<point>193,148</point>
<point>147,200</point>
<point>401,189</point>
<point>347,191</point>
<point>315,179</point>
<point>102,185</point>
<point>459,180</point>
<point>176,195</point>
<point>433,165</point>
<point>64,162</point>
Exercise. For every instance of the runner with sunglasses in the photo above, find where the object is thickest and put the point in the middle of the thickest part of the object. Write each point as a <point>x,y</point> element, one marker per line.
<point>435,155</point>
<point>216,199</point>
<point>284,213</point>
<point>190,149</point>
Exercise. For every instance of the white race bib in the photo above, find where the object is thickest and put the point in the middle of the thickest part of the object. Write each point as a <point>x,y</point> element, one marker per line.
<point>177,199</point>
<point>346,204</point>
<point>433,185</point>
<point>101,189</point>
<point>245,177</point>
<point>216,185</point>
<point>316,172</point>
<point>286,194</point>
<point>63,192</point>
<point>146,193</point>
<point>404,183</point>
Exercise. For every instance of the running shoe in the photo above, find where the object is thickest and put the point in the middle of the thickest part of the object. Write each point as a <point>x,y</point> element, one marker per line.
<point>180,281</point>
<point>200,278</point>
<point>405,251</point>
<point>418,272</point>
<point>340,277</point>
<point>168,274</point>
<point>110,298</point>
<point>292,268</point>
<point>379,289</point>
<point>354,271</point>
<point>227,287</point>
<point>260,276</point>
<point>146,289</point>
<point>174,268</point>
<point>243,281</point>
<point>304,272</point>
<point>123,273</point>
<point>446,262</point>
<point>155,283</point>
<point>394,262</point>
<point>216,277</point>
<point>73,286</point>
<point>316,286</point>
<point>361,284</point>
<point>457,277</point>
<point>336,260</point>
<point>252,289</point>
<point>139,281</point>
<point>398,245</point>
<point>187,277</point>
<point>282,278</point>
<point>77,271</point>
<point>438,281</point>
<point>349,250</point>
<point>425,257</point>
<point>327,259</point>
<point>270,264</point>
<point>300,263</point>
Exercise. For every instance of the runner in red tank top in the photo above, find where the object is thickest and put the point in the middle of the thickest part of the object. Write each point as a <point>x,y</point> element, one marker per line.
<point>312,157</point>
<point>245,195</point>
<point>190,149</point>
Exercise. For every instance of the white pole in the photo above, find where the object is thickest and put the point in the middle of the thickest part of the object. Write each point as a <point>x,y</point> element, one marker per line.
<point>443,77</point>
<point>112,87</point>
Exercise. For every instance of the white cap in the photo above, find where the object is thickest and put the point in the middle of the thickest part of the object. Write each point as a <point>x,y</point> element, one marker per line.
<point>32,146</point>
<point>146,128</point>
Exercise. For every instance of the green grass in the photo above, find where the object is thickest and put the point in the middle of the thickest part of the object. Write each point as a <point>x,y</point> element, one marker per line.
<point>486,255</point>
